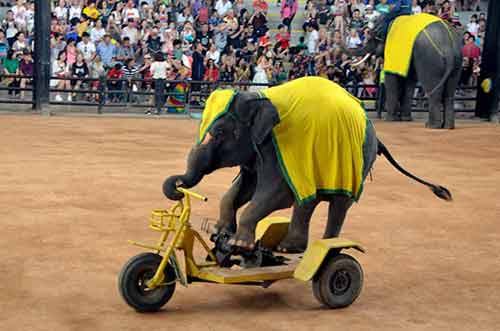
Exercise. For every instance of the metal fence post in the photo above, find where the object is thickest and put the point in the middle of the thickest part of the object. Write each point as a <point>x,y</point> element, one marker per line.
<point>102,94</point>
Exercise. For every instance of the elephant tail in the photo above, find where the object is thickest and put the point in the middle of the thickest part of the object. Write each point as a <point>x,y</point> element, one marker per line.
<point>440,191</point>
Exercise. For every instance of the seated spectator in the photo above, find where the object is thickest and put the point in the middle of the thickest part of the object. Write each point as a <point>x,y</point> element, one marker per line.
<point>107,51</point>
<point>115,83</point>
<point>223,6</point>
<point>259,22</point>
<point>283,37</point>
<point>383,7</point>
<point>79,73</point>
<point>353,40</point>
<point>26,69</point>
<point>260,6</point>
<point>91,11</point>
<point>87,48</point>
<point>11,67</point>
<point>211,71</point>
<point>60,70</point>
<point>357,22</point>
<point>125,51</point>
<point>97,32</point>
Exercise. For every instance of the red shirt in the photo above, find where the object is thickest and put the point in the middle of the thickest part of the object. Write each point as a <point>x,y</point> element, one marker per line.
<point>260,4</point>
<point>263,40</point>
<point>114,73</point>
<point>283,39</point>
<point>471,50</point>
<point>211,74</point>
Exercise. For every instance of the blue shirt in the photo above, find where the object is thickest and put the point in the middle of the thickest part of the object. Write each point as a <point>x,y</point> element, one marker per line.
<point>106,52</point>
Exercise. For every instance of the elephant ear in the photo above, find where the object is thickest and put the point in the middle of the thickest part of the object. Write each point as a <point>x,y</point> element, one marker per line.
<point>265,117</point>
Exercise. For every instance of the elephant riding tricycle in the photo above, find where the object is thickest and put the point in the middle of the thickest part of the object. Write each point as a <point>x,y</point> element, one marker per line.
<point>148,280</point>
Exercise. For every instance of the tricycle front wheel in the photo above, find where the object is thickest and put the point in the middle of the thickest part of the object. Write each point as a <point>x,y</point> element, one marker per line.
<point>132,283</point>
<point>338,282</point>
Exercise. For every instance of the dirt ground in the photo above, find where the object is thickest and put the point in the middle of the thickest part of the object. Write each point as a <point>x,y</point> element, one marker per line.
<point>73,190</point>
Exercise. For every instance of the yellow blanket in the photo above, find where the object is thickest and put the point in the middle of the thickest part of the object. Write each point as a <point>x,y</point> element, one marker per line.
<point>319,138</point>
<point>400,40</point>
<point>216,105</point>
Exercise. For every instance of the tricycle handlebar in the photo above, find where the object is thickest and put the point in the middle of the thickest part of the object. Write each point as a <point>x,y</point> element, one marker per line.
<point>192,194</point>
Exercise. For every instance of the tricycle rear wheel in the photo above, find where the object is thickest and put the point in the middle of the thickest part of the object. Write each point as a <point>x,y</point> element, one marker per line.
<point>338,282</point>
<point>132,283</point>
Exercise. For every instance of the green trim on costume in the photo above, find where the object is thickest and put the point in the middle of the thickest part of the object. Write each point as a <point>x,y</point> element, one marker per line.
<point>393,73</point>
<point>283,168</point>
<point>226,109</point>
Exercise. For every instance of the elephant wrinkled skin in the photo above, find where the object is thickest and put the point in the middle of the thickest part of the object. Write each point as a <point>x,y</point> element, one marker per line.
<point>234,140</point>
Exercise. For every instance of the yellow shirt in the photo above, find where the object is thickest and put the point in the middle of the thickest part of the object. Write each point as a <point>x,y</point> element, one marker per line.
<point>91,12</point>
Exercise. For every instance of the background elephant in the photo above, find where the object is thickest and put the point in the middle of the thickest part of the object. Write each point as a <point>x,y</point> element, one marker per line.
<point>243,137</point>
<point>435,63</point>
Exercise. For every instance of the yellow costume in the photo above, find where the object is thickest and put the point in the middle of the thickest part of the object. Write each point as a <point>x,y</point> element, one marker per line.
<point>400,40</point>
<point>319,138</point>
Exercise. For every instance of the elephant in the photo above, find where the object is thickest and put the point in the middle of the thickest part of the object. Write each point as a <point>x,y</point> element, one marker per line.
<point>435,62</point>
<point>244,136</point>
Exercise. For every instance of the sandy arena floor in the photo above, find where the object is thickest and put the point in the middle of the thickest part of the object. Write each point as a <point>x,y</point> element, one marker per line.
<point>73,190</point>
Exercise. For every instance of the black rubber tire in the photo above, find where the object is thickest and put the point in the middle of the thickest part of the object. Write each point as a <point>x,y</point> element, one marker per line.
<point>131,283</point>
<point>338,282</point>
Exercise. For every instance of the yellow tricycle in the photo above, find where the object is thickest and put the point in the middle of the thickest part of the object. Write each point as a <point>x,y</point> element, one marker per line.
<point>148,280</point>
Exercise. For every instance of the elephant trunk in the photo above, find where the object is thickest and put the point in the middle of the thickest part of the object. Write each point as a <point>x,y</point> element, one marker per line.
<point>198,166</point>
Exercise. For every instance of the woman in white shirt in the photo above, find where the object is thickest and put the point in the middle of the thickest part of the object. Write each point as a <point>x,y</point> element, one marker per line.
<point>260,76</point>
<point>60,69</point>
<point>97,32</point>
<point>213,53</point>
<point>61,11</point>
<point>353,40</point>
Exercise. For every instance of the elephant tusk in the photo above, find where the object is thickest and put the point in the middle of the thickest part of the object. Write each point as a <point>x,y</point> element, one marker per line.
<point>361,61</point>
<point>208,136</point>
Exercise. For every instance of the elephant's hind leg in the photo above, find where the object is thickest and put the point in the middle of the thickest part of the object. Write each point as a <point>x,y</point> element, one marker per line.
<point>337,212</point>
<point>449,101</point>
<point>298,231</point>
<point>407,99</point>
<point>240,193</point>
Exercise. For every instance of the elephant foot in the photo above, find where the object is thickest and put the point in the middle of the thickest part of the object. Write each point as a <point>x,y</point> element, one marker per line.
<point>449,126</point>
<point>243,239</point>
<point>392,118</point>
<point>293,244</point>
<point>224,227</point>
<point>406,118</point>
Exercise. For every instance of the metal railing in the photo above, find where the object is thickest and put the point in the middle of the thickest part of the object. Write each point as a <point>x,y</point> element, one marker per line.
<point>106,94</point>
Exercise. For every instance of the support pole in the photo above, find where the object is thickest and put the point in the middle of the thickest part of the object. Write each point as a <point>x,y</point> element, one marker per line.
<point>42,57</point>
<point>489,79</point>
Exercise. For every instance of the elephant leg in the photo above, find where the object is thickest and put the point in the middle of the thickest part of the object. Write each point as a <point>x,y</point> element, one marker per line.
<point>435,120</point>
<point>240,193</point>
<point>392,95</point>
<point>449,101</point>
<point>298,231</point>
<point>406,101</point>
<point>337,211</point>
<point>273,197</point>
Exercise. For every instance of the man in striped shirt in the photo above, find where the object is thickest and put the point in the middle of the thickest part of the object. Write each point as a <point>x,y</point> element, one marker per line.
<point>130,72</point>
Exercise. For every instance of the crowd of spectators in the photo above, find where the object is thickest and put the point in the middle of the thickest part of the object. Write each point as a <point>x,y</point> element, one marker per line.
<point>208,40</point>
